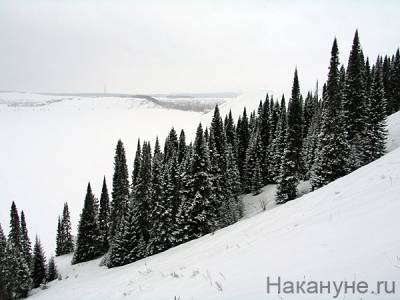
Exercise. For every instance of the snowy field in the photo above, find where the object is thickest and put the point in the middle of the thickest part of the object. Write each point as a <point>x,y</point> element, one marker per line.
<point>53,145</point>
<point>347,230</point>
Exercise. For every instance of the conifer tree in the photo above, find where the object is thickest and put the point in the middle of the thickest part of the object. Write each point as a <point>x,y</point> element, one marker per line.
<point>25,241</point>
<point>66,227</point>
<point>375,129</point>
<point>120,192</point>
<point>14,235</point>
<point>59,238</point>
<point>136,165</point>
<point>278,144</point>
<point>142,195</point>
<point>88,240</point>
<point>354,102</point>
<point>332,161</point>
<point>38,274</point>
<point>291,160</point>
<point>171,145</point>
<point>243,138</point>
<point>181,146</point>
<point>52,273</point>
<point>3,245</point>
<point>395,83</point>
<point>161,219</point>
<point>104,217</point>
<point>16,272</point>
<point>198,209</point>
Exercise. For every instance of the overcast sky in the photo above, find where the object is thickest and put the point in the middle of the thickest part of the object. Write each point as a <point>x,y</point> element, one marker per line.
<point>183,46</point>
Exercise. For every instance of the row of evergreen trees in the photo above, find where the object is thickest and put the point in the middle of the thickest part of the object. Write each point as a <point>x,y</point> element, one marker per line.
<point>189,190</point>
<point>20,269</point>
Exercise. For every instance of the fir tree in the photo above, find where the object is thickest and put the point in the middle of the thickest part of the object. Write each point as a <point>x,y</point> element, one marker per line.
<point>120,192</point>
<point>88,240</point>
<point>16,272</point>
<point>395,83</point>
<point>181,146</point>
<point>52,273</point>
<point>3,245</point>
<point>291,160</point>
<point>171,145</point>
<point>25,241</point>
<point>278,144</point>
<point>14,235</point>
<point>198,210</point>
<point>59,239</point>
<point>66,227</point>
<point>104,214</point>
<point>136,165</point>
<point>38,274</point>
<point>243,138</point>
<point>331,162</point>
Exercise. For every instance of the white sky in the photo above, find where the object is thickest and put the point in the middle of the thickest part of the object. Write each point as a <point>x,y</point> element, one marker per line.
<point>183,46</point>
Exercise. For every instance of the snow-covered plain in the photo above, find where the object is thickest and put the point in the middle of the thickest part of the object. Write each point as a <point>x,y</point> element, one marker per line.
<point>347,230</point>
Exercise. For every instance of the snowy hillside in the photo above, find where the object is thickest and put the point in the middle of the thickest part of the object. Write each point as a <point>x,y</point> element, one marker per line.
<point>349,227</point>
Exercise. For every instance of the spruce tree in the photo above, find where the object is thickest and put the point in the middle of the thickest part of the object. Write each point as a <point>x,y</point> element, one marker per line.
<point>136,165</point>
<point>16,272</point>
<point>120,192</point>
<point>291,159</point>
<point>14,235</point>
<point>3,245</point>
<point>25,241</point>
<point>161,219</point>
<point>59,239</point>
<point>38,274</point>
<point>104,217</point>
<point>243,138</point>
<point>198,210</point>
<point>52,273</point>
<point>66,227</point>
<point>141,208</point>
<point>395,83</point>
<point>181,146</point>
<point>354,102</point>
<point>278,144</point>
<point>88,240</point>
<point>332,161</point>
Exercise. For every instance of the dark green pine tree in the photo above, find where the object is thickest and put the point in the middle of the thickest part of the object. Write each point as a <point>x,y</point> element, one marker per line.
<point>181,146</point>
<point>161,218</point>
<point>16,269</point>
<point>59,238</point>
<point>230,131</point>
<point>198,210</point>
<point>243,139</point>
<point>265,130</point>
<point>386,74</point>
<point>291,166</point>
<point>252,178</point>
<point>3,244</point>
<point>104,217</point>
<point>142,195</point>
<point>354,102</point>
<point>88,240</point>
<point>16,272</point>
<point>171,145</point>
<point>38,273</point>
<point>217,149</point>
<point>375,130</point>
<point>120,192</point>
<point>278,144</point>
<point>52,273</point>
<point>332,160</point>
<point>395,83</point>
<point>25,241</point>
<point>136,165</point>
<point>66,227</point>
<point>14,235</point>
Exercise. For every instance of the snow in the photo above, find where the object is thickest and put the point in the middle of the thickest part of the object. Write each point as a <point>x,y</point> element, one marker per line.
<point>393,126</point>
<point>347,230</point>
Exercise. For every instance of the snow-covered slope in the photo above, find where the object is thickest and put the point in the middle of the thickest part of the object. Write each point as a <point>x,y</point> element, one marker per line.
<point>347,230</point>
